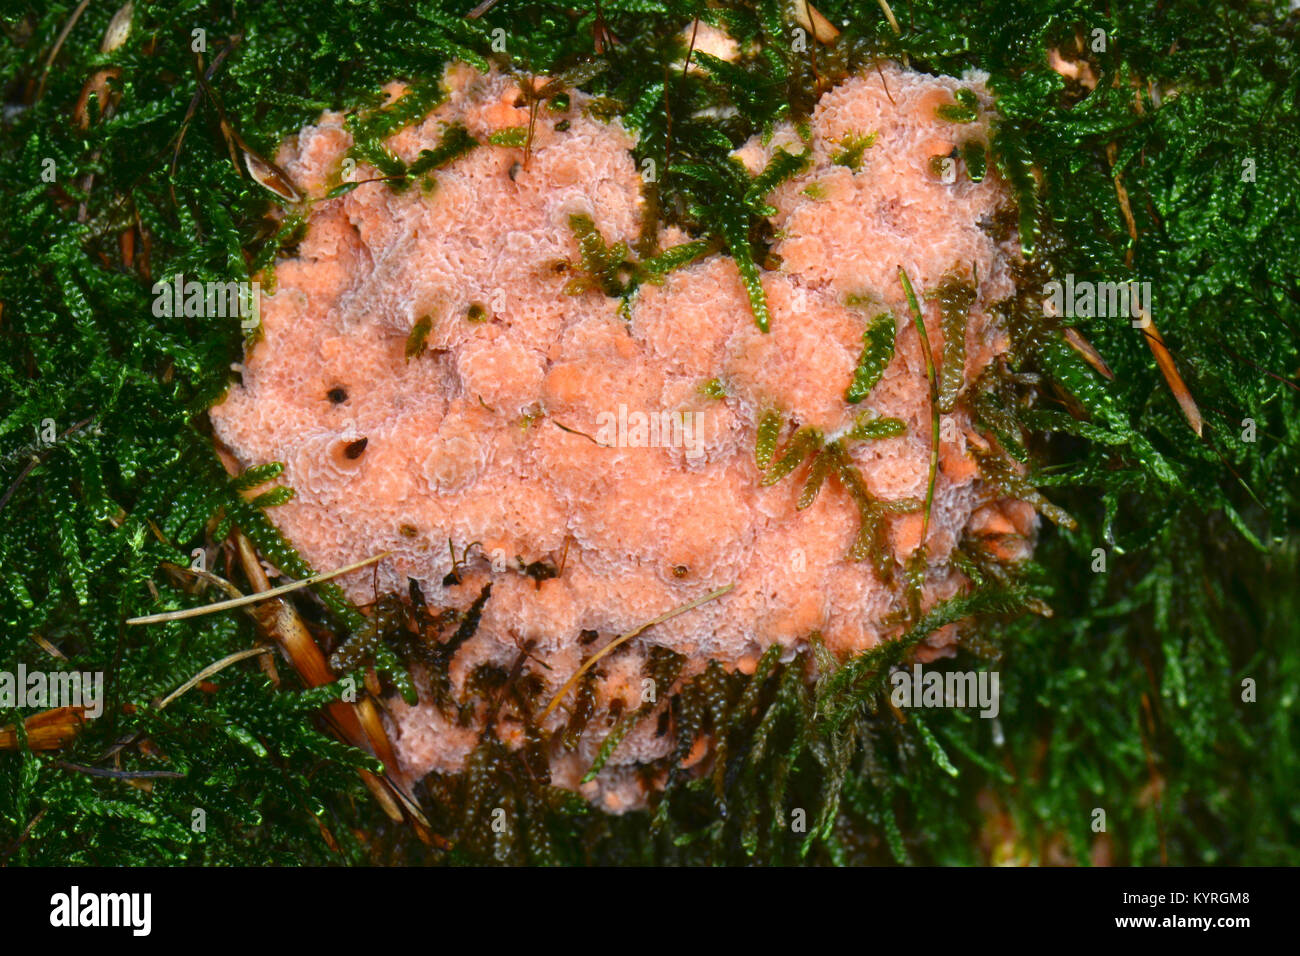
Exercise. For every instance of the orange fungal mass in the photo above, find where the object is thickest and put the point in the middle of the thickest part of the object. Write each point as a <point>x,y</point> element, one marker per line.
<point>578,430</point>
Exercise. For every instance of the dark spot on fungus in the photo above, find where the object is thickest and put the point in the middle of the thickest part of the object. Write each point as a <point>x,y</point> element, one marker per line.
<point>680,571</point>
<point>416,594</point>
<point>514,170</point>
<point>477,312</point>
<point>587,635</point>
<point>408,530</point>
<point>354,449</point>
<point>562,126</point>
<point>540,571</point>
<point>338,395</point>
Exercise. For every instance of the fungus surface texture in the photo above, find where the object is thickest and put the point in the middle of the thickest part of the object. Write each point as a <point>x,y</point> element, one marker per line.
<point>444,362</point>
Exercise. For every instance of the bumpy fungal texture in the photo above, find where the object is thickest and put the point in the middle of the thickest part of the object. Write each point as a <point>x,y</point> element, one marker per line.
<point>492,434</point>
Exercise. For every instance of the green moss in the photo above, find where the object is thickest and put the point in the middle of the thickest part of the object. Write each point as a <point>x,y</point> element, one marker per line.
<point>713,388</point>
<point>955,299</point>
<point>965,110</point>
<point>852,149</point>
<point>417,339</point>
<point>877,351</point>
<point>515,137</point>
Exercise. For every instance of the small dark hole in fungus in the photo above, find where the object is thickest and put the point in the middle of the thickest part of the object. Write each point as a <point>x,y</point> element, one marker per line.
<point>514,170</point>
<point>587,635</point>
<point>477,312</point>
<point>408,530</point>
<point>416,594</point>
<point>562,126</point>
<point>540,571</point>
<point>338,395</point>
<point>680,571</point>
<point>354,449</point>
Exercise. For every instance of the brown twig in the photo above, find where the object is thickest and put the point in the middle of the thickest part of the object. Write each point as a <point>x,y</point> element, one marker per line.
<point>1090,355</point>
<point>358,724</point>
<point>37,459</point>
<point>120,774</point>
<point>262,595</point>
<point>1154,340</point>
<point>211,669</point>
<point>690,49</point>
<point>22,837</point>
<point>58,44</point>
<point>48,730</point>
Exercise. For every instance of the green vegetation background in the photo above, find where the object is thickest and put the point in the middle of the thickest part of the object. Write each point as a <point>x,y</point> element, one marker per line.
<point>1128,699</point>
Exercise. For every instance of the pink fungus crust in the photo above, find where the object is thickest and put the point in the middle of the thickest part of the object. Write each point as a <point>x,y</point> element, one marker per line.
<point>520,426</point>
